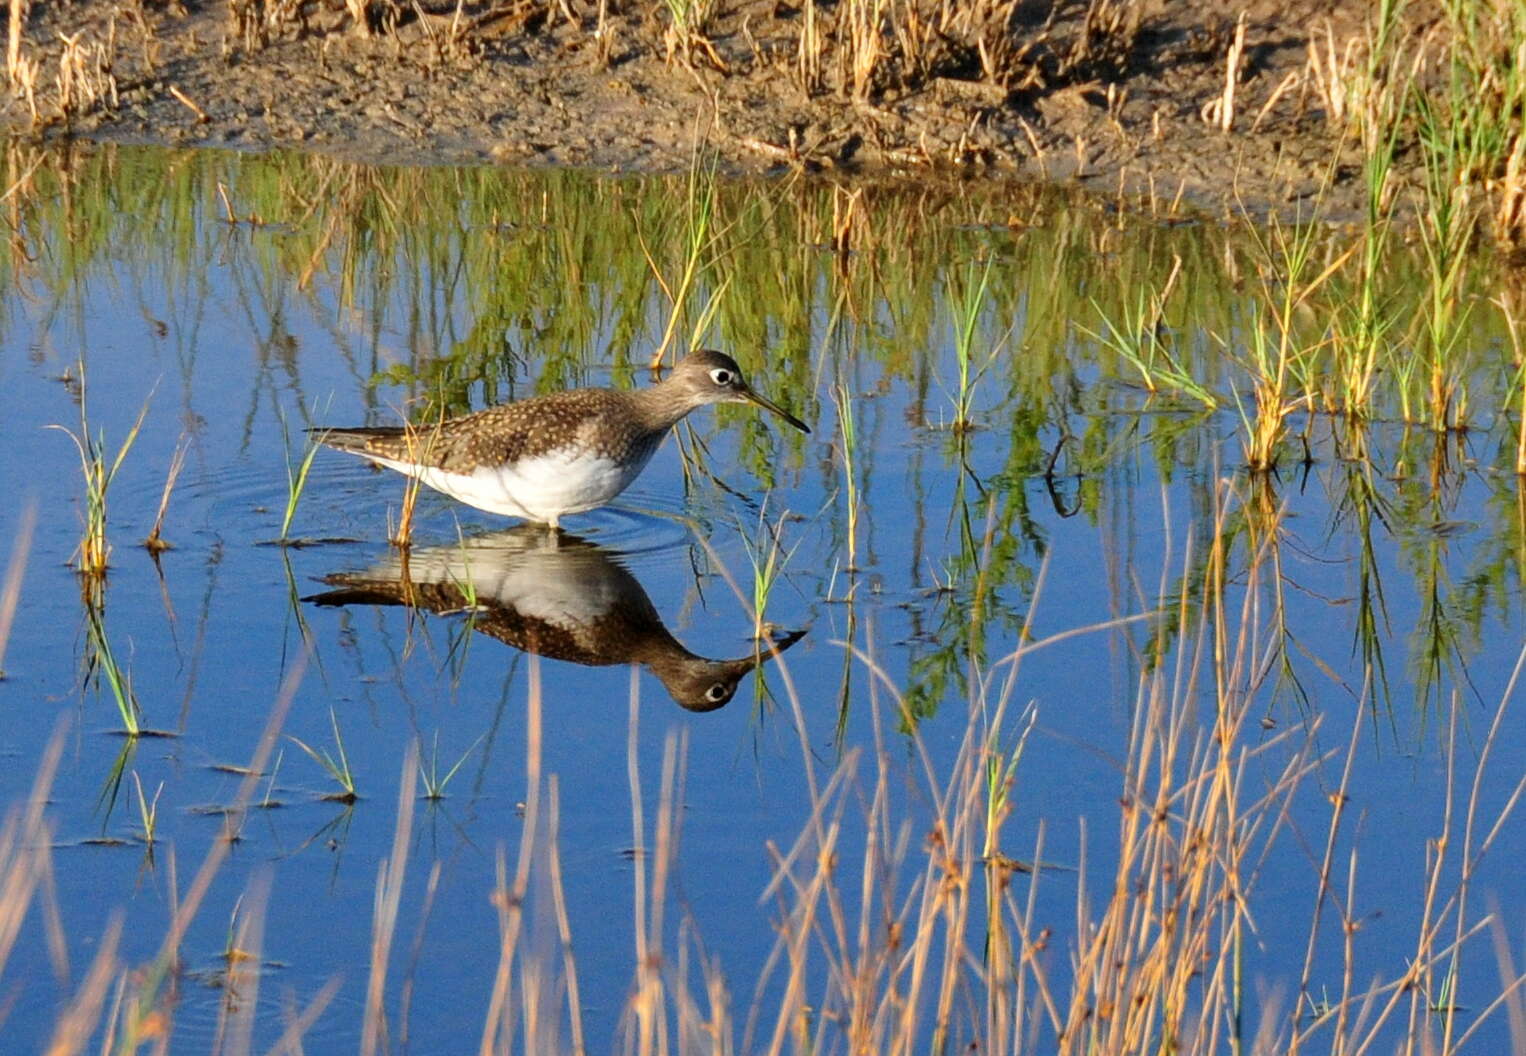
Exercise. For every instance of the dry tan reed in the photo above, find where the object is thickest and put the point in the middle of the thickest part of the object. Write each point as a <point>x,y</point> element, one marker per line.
<point>10,591</point>
<point>155,542</point>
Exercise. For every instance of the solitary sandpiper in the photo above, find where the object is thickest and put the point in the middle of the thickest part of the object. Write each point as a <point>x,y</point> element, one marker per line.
<point>548,456</point>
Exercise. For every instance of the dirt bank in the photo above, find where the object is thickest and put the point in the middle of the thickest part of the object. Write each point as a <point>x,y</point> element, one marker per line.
<point>1113,93</point>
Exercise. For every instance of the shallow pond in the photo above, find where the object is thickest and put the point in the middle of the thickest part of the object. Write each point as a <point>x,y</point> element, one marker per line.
<point>1300,673</point>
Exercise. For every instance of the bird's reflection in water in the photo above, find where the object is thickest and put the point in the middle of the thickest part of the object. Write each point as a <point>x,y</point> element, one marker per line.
<point>552,594</point>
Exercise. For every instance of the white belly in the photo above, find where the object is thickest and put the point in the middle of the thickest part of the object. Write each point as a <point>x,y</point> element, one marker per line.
<point>543,488</point>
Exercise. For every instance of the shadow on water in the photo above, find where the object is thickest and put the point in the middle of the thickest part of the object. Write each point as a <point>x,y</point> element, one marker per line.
<point>551,593</point>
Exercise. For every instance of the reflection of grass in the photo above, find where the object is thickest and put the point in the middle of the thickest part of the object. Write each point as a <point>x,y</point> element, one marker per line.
<point>629,278</point>
<point>698,243</point>
<point>102,662</point>
<point>767,558</point>
<point>148,810</point>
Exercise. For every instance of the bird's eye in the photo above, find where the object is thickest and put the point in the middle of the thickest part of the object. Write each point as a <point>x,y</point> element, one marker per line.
<point>716,693</point>
<point>722,376</point>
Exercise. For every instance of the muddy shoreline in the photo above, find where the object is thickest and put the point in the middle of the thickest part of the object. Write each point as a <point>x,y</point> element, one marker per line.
<point>537,85</point>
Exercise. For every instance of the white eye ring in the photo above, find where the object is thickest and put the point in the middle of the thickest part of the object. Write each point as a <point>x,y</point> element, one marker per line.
<point>716,693</point>
<point>722,376</point>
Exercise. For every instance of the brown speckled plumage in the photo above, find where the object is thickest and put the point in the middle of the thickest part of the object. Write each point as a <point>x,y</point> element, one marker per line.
<point>620,424</point>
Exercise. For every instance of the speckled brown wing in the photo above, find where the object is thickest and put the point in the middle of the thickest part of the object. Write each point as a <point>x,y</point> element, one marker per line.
<point>500,435</point>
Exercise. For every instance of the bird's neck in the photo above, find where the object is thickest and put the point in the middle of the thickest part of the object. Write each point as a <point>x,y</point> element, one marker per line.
<point>659,407</point>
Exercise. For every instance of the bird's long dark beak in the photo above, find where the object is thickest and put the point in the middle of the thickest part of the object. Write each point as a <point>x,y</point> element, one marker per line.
<point>752,396</point>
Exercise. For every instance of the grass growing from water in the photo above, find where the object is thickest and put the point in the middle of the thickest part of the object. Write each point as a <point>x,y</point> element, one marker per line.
<point>847,431</point>
<point>1276,357</point>
<point>767,558</point>
<point>99,467</point>
<point>698,245</point>
<point>155,542</point>
<point>969,304</point>
<point>296,477</point>
<point>337,766</point>
<point>435,782</point>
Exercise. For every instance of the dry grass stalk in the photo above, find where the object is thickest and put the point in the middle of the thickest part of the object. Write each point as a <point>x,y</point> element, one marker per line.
<point>1221,111</point>
<point>645,1020</point>
<point>24,83</point>
<point>1510,212</point>
<point>26,840</point>
<point>85,79</point>
<point>372,17</point>
<point>687,33</point>
<point>189,103</point>
<point>861,47</point>
<point>389,894</point>
<point>16,24</point>
<point>155,542</point>
<point>10,593</point>
<point>530,997</point>
<point>1338,76</point>
<point>74,1029</point>
<point>420,448</point>
<point>247,24</point>
<point>809,51</point>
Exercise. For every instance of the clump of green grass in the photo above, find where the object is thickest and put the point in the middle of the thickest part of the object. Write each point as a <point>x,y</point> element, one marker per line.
<point>767,557</point>
<point>700,253</point>
<point>1137,339</point>
<point>99,467</point>
<point>434,781</point>
<point>1278,360</point>
<point>968,305</point>
<point>337,766</point>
